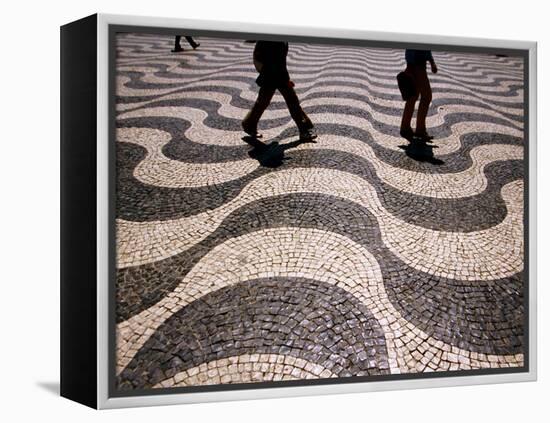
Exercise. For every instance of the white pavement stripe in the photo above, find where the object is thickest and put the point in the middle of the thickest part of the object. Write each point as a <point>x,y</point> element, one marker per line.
<point>337,79</point>
<point>247,94</point>
<point>158,170</point>
<point>247,368</point>
<point>301,67</point>
<point>227,110</point>
<point>292,252</point>
<point>388,84</point>
<point>465,63</point>
<point>489,254</point>
<point>200,133</point>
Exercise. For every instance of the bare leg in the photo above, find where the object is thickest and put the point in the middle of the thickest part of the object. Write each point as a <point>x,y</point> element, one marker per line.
<point>408,111</point>
<point>423,84</point>
<point>407,114</point>
<point>293,103</point>
<point>250,122</point>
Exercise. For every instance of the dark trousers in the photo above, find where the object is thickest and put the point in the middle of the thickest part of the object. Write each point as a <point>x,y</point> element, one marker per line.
<point>189,40</point>
<point>424,90</point>
<point>264,98</point>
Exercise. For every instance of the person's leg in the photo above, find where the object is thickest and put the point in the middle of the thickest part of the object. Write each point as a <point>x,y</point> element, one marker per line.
<point>293,103</point>
<point>177,45</point>
<point>250,122</point>
<point>308,124</point>
<point>408,111</point>
<point>192,42</point>
<point>423,84</point>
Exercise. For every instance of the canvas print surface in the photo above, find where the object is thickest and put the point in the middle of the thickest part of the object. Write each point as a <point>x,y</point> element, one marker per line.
<point>282,213</point>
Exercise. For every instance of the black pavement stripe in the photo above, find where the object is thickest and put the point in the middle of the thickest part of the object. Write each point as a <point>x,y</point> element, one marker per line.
<point>140,202</point>
<point>481,316</point>
<point>291,316</point>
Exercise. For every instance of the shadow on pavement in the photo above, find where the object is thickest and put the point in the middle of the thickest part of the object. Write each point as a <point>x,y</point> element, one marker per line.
<point>270,155</point>
<point>421,152</point>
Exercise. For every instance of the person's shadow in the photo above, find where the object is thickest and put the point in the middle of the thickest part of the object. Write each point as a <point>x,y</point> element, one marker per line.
<point>421,151</point>
<point>271,155</point>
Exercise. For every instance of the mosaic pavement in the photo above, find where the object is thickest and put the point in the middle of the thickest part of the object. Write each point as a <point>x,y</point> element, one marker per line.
<point>354,255</point>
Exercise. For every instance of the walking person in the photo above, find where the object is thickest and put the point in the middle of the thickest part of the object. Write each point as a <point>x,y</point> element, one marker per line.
<point>416,68</point>
<point>177,46</point>
<point>270,62</point>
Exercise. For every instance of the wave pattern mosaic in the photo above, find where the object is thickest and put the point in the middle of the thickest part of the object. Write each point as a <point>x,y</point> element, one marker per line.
<point>358,253</point>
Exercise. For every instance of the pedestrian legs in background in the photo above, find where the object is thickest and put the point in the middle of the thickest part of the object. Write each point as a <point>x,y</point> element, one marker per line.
<point>177,44</point>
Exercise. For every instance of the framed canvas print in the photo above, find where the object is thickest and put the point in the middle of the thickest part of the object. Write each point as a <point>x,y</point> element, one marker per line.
<point>256,211</point>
